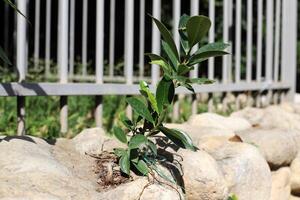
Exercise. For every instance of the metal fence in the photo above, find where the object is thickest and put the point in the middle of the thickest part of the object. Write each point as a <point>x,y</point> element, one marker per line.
<point>268,46</point>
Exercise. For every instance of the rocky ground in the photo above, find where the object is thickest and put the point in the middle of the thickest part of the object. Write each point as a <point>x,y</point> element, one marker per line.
<point>253,154</point>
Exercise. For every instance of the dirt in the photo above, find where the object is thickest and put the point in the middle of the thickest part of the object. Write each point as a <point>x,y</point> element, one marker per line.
<point>108,171</point>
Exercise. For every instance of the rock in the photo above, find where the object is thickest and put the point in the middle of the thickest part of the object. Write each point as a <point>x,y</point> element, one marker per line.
<point>246,172</point>
<point>213,120</point>
<point>276,117</point>
<point>281,188</point>
<point>278,146</point>
<point>252,115</point>
<point>94,141</point>
<point>132,191</point>
<point>203,133</point>
<point>202,178</point>
<point>295,180</point>
<point>294,198</point>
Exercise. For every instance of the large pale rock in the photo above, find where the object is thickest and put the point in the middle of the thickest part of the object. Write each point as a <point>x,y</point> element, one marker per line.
<point>253,115</point>
<point>213,120</point>
<point>292,197</point>
<point>246,172</point>
<point>276,117</point>
<point>295,180</point>
<point>94,141</point>
<point>133,190</point>
<point>202,178</point>
<point>281,187</point>
<point>278,146</point>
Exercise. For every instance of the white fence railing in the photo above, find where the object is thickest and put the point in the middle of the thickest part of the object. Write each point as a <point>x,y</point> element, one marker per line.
<point>270,55</point>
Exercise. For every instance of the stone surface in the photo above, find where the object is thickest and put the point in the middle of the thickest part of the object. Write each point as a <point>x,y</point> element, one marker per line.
<point>295,180</point>
<point>292,197</point>
<point>94,141</point>
<point>278,146</point>
<point>246,172</point>
<point>202,178</point>
<point>133,190</point>
<point>253,115</point>
<point>281,187</point>
<point>213,120</point>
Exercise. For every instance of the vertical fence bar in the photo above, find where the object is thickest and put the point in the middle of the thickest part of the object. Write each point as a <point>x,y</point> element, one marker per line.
<point>269,45</point>
<point>238,41</point>
<point>194,73</point>
<point>63,20</point>
<point>112,37</point>
<point>142,39</point>
<point>84,37</point>
<point>225,39</point>
<point>99,58</point>
<point>156,11</point>
<point>249,40</point>
<point>289,48</point>
<point>176,18</point>
<point>230,23</point>
<point>48,36</point>
<point>37,33</point>
<point>211,38</point>
<point>259,40</point>
<point>277,40</point>
<point>72,38</point>
<point>128,45</point>
<point>21,62</point>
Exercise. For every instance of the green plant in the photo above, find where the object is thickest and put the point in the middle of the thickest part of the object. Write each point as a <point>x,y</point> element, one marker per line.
<point>232,197</point>
<point>141,152</point>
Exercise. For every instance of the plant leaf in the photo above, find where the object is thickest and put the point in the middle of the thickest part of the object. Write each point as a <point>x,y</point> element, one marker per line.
<point>201,81</point>
<point>207,51</point>
<point>4,57</point>
<point>180,138</point>
<point>127,122</point>
<point>197,27</point>
<point>170,55</point>
<point>164,93</point>
<point>152,146</point>
<point>167,36</point>
<point>182,32</point>
<point>120,134</point>
<point>11,4</point>
<point>142,167</point>
<point>183,69</point>
<point>125,163</point>
<point>158,60</point>
<point>119,152</point>
<point>140,108</point>
<point>144,89</point>
<point>136,141</point>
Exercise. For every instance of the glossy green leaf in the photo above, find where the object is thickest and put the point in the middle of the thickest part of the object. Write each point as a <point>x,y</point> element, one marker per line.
<point>136,141</point>
<point>183,69</point>
<point>207,51</point>
<point>233,197</point>
<point>201,81</point>
<point>180,138</point>
<point>134,155</point>
<point>152,146</point>
<point>4,57</point>
<point>126,121</point>
<point>171,55</point>
<point>125,163</point>
<point>164,93</point>
<point>119,152</point>
<point>166,36</point>
<point>120,134</point>
<point>142,167</point>
<point>140,108</point>
<point>188,86</point>
<point>145,91</point>
<point>183,34</point>
<point>163,63</point>
<point>197,27</point>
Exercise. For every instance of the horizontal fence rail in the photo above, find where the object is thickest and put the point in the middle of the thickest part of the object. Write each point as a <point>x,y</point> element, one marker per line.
<point>97,48</point>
